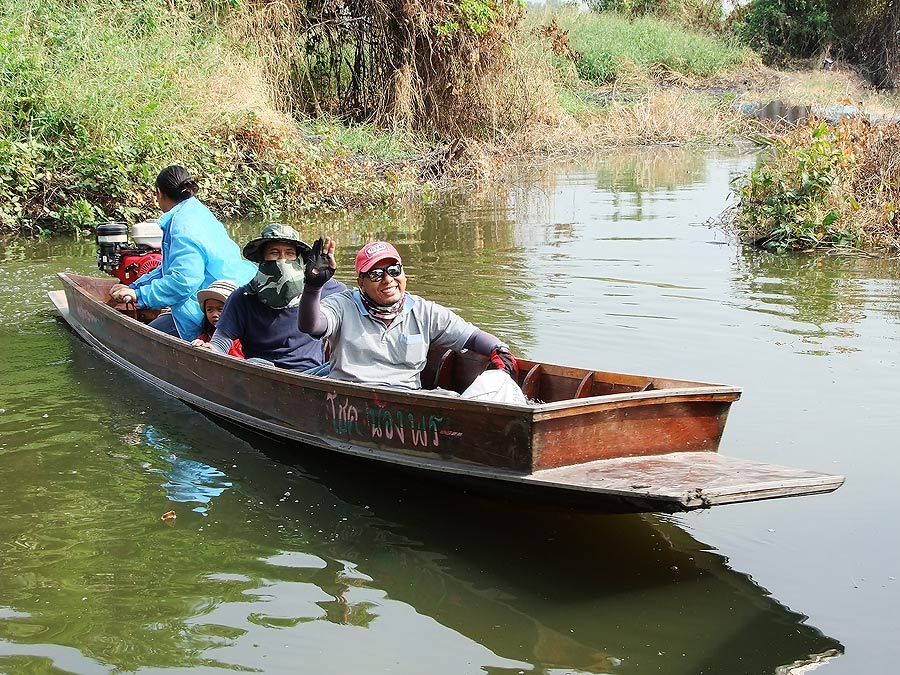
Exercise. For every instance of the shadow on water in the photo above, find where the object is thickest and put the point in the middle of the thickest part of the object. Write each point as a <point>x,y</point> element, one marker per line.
<point>546,587</point>
<point>576,590</point>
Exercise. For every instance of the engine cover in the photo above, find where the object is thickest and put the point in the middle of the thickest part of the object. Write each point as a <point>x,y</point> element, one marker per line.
<point>133,264</point>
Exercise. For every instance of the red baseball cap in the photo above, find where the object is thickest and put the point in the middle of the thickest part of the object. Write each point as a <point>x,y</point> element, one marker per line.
<point>373,253</point>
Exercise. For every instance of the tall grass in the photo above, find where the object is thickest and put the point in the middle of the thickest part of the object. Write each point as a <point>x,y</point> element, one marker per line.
<point>96,97</point>
<point>670,117</point>
<point>622,102</point>
<point>93,66</point>
<point>611,44</point>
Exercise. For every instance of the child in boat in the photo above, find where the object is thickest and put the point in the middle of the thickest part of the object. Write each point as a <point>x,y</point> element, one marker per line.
<point>263,314</point>
<point>212,301</point>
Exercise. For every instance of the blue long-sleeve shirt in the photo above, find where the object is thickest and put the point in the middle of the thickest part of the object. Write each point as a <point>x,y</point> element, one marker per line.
<point>196,250</point>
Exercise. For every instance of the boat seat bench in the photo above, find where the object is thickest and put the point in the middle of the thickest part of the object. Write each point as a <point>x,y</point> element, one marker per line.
<point>447,369</point>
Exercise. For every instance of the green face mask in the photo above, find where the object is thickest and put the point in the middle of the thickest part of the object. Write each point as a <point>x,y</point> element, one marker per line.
<point>279,283</point>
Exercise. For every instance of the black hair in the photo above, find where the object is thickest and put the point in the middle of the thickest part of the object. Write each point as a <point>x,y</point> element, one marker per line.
<point>176,183</point>
<point>206,328</point>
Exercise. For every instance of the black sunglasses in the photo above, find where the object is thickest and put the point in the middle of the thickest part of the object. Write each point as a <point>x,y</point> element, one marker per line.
<point>377,274</point>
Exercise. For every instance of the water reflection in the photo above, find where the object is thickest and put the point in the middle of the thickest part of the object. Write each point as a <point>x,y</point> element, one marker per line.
<point>342,569</point>
<point>817,298</point>
<point>560,589</point>
<point>305,555</point>
<point>187,480</point>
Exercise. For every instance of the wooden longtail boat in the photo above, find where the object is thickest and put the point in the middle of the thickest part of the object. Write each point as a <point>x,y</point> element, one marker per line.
<point>609,440</point>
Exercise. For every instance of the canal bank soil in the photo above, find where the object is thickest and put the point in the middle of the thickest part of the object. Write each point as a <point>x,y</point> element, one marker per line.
<point>813,86</point>
<point>670,109</point>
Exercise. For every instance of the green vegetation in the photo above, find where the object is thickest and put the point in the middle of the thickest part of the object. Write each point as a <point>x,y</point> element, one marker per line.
<point>284,108</point>
<point>824,187</point>
<point>782,29</point>
<point>692,13</point>
<point>862,32</point>
<point>97,97</point>
<point>867,32</point>
<point>788,204</point>
<point>612,45</point>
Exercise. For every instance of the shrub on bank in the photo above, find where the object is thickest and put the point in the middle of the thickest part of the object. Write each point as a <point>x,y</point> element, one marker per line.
<point>703,14</point>
<point>824,187</point>
<point>783,29</point>
<point>96,97</point>
<point>435,67</point>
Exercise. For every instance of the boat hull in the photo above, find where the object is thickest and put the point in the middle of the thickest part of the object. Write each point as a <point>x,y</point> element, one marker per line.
<point>559,447</point>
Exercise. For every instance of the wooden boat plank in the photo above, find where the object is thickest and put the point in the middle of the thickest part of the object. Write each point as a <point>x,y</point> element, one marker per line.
<point>632,381</point>
<point>601,447</point>
<point>690,478</point>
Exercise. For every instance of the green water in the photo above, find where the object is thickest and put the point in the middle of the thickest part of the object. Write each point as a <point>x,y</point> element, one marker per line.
<point>279,562</point>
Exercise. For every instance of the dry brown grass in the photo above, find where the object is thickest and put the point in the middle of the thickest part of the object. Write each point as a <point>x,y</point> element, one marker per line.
<point>390,65</point>
<point>235,88</point>
<point>276,32</point>
<point>875,183</point>
<point>672,116</point>
<point>668,116</point>
<point>809,84</point>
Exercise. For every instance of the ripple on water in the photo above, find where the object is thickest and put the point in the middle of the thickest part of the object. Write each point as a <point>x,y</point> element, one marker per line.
<point>600,268</point>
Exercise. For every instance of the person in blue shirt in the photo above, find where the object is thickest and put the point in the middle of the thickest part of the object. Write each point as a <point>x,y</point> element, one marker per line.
<point>264,313</point>
<point>196,250</point>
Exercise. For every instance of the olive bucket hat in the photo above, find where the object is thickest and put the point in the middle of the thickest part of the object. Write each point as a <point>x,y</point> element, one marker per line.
<point>275,232</point>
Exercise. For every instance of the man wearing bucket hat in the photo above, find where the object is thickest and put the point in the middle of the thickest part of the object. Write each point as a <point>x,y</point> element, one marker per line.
<point>264,314</point>
<point>212,301</point>
<point>379,333</point>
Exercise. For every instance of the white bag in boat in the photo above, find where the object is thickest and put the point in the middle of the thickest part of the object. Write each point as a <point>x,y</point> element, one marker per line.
<point>496,386</point>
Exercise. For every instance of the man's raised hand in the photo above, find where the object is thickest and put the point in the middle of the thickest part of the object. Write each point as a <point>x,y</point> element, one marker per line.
<point>320,263</point>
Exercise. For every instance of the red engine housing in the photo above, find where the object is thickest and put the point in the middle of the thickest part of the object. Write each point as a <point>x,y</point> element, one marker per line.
<point>127,260</point>
<point>133,263</point>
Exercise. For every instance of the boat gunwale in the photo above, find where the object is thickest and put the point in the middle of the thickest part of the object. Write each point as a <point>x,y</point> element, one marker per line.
<point>634,497</point>
<point>537,411</point>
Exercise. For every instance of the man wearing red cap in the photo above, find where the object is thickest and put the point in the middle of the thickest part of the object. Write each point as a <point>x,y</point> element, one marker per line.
<point>379,333</point>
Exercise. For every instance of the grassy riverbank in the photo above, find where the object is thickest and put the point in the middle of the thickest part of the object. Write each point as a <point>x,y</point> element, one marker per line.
<point>96,97</point>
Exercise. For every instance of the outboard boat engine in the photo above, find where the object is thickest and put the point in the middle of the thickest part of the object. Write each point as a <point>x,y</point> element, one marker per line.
<point>129,260</point>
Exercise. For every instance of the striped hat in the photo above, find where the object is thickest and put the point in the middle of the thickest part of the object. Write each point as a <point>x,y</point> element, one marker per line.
<point>217,290</point>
